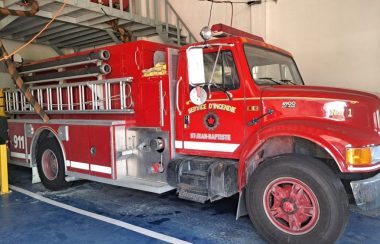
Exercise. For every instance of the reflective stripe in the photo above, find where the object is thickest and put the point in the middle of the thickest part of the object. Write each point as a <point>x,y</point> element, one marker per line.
<point>101,169</point>
<point>20,155</point>
<point>178,144</point>
<point>92,167</point>
<point>79,165</point>
<point>210,146</point>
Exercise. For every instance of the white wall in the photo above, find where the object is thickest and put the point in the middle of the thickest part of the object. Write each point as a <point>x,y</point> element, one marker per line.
<point>29,53</point>
<point>32,52</point>
<point>196,14</point>
<point>334,42</point>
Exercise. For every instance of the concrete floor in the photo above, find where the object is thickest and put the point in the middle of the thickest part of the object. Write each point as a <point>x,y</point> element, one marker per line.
<point>24,219</point>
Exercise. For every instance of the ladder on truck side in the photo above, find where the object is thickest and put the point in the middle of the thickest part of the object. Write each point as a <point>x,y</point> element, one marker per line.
<point>97,96</point>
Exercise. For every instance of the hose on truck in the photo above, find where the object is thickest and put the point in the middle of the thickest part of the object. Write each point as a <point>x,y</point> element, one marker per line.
<point>92,57</point>
<point>103,69</point>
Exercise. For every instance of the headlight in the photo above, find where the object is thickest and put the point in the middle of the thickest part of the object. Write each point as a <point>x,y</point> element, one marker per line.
<point>363,156</point>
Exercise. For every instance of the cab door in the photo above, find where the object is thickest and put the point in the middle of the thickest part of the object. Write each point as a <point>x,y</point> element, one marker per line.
<point>217,127</point>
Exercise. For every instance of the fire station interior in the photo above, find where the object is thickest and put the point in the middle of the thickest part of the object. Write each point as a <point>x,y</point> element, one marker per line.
<point>189,121</point>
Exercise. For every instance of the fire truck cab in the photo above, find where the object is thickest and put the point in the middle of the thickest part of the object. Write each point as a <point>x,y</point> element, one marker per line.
<point>212,119</point>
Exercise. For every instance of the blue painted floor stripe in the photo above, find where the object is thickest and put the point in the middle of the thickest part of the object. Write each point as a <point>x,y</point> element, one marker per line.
<point>108,220</point>
<point>26,220</point>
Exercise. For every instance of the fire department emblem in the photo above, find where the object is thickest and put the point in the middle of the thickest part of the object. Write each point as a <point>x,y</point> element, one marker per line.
<point>211,121</point>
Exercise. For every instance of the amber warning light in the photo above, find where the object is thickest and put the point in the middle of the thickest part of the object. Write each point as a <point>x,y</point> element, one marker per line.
<point>363,156</point>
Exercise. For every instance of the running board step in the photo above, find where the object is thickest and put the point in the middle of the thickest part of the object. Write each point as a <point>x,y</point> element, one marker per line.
<point>200,179</point>
<point>128,182</point>
<point>187,193</point>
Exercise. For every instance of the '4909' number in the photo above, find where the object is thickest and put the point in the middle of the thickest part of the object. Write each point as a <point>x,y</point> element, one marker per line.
<point>18,142</point>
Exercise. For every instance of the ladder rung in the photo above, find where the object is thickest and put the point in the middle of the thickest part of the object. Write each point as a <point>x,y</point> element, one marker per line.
<point>91,96</point>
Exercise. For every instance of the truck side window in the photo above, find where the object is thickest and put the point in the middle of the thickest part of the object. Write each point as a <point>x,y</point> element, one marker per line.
<point>225,74</point>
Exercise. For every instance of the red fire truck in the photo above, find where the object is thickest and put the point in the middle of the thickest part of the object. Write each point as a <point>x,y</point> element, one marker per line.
<point>228,115</point>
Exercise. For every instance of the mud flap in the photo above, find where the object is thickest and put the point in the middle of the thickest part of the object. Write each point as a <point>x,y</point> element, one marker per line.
<point>35,175</point>
<point>242,208</point>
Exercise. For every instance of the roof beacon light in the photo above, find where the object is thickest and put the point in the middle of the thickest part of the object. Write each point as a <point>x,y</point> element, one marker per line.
<point>221,30</point>
<point>206,33</point>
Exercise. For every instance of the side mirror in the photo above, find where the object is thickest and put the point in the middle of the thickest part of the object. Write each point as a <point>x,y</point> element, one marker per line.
<point>195,66</point>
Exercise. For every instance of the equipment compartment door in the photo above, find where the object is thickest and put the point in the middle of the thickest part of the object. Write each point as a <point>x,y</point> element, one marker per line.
<point>90,150</point>
<point>101,145</point>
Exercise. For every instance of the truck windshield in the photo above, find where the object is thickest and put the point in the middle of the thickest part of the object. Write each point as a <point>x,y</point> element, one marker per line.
<point>271,68</point>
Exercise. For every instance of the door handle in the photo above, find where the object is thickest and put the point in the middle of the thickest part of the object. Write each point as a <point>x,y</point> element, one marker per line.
<point>138,66</point>
<point>177,96</point>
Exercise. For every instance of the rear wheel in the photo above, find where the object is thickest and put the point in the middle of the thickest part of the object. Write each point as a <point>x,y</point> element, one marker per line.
<point>297,199</point>
<point>50,164</point>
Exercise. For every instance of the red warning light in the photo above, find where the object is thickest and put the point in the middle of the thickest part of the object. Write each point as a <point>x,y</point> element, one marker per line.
<point>221,30</point>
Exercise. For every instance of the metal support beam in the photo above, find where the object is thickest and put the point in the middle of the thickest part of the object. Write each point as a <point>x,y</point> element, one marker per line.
<point>28,35</point>
<point>83,38</point>
<point>7,20</point>
<point>113,36</point>
<point>62,33</point>
<point>93,44</point>
<point>57,50</point>
<point>32,24</point>
<point>105,39</point>
<point>22,33</point>
<point>59,29</point>
<point>73,35</point>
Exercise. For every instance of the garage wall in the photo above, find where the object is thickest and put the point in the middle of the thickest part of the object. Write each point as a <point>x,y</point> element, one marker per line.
<point>335,42</point>
<point>29,53</point>
<point>196,14</point>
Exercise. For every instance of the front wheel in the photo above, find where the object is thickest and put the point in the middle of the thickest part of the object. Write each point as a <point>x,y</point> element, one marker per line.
<point>50,165</point>
<point>297,199</point>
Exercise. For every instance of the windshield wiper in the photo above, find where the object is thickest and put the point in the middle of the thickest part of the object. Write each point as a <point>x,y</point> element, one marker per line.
<point>279,82</point>
<point>288,81</point>
<point>270,79</point>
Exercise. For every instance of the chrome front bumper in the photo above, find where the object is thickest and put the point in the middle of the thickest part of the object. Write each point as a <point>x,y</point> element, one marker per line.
<point>367,192</point>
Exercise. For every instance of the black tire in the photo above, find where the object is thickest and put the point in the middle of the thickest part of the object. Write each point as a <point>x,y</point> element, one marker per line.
<point>172,172</point>
<point>322,191</point>
<point>52,174</point>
